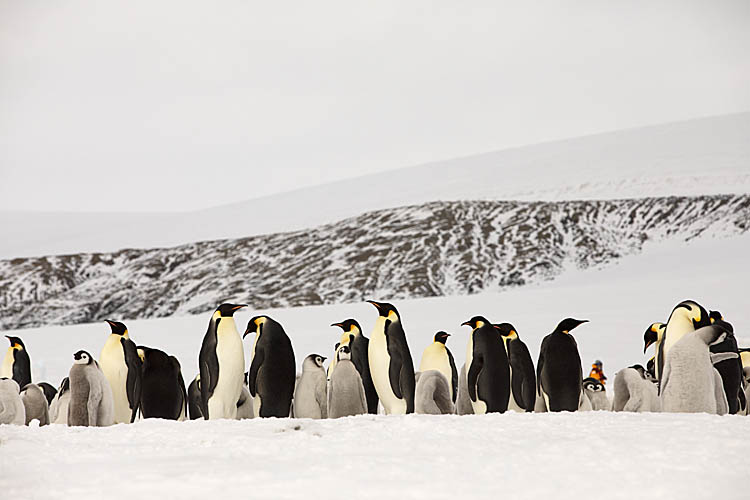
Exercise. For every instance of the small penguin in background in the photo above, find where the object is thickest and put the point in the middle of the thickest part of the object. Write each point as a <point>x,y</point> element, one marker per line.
<point>12,410</point>
<point>488,369</point>
<point>730,369</point>
<point>49,391</point>
<point>163,393</point>
<point>634,392</point>
<point>596,393</point>
<point>559,372</point>
<point>35,404</point>
<point>121,365</point>
<point>58,409</point>
<point>222,364</point>
<point>686,317</point>
<point>437,356</point>
<point>346,394</point>
<point>463,403</point>
<point>391,364</point>
<point>654,335</point>
<point>690,383</point>
<point>432,395</point>
<point>194,399</point>
<point>310,394</point>
<point>650,373</point>
<point>16,364</point>
<point>522,375</point>
<point>360,346</point>
<point>272,368</point>
<point>245,404</point>
<point>91,401</point>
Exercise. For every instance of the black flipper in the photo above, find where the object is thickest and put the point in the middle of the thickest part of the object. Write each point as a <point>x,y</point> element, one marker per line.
<point>181,383</point>
<point>208,366</point>
<point>135,373</point>
<point>394,373</point>
<point>454,374</point>
<point>477,362</point>
<point>254,367</point>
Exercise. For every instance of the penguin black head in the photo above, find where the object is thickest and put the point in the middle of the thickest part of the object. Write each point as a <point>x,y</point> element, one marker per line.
<point>593,385</point>
<point>343,352</point>
<point>117,328</point>
<point>350,325</point>
<point>82,358</point>
<point>386,310</point>
<point>227,310</point>
<point>476,322</point>
<point>650,367</point>
<point>716,318</point>
<point>506,330</point>
<point>652,334</point>
<point>569,324</point>
<point>694,311</point>
<point>442,337</point>
<point>255,325</point>
<point>641,371</point>
<point>16,343</point>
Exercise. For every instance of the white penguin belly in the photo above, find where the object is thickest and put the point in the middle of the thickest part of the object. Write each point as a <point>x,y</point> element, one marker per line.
<point>435,357</point>
<point>512,404</point>
<point>229,351</point>
<point>6,370</point>
<point>112,363</point>
<point>379,363</point>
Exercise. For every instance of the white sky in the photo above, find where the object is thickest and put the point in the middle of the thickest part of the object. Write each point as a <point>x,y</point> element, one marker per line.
<point>174,105</point>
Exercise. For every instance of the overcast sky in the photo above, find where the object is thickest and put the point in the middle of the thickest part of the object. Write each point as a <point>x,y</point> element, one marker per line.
<point>173,105</point>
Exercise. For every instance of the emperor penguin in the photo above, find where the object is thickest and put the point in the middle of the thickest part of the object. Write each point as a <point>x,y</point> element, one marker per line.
<point>729,369</point>
<point>654,335</point>
<point>360,345</point>
<point>272,368</point>
<point>690,383</point>
<point>463,402</point>
<point>437,356</point>
<point>559,373</point>
<point>310,395</point>
<point>121,365</point>
<point>58,409</point>
<point>686,317</point>
<point>91,400</point>
<point>222,365</point>
<point>49,391</point>
<point>35,404</point>
<point>488,369</point>
<point>522,375</point>
<point>16,364</point>
<point>163,393</point>
<point>346,394</point>
<point>12,410</point>
<point>194,399</point>
<point>391,364</point>
<point>634,392</point>
<point>596,393</point>
<point>432,395</point>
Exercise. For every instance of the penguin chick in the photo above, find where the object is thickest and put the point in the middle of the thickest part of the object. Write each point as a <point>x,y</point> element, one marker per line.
<point>360,346</point>
<point>432,394</point>
<point>16,363</point>
<point>58,409</point>
<point>463,403</point>
<point>346,394</point>
<point>245,404</point>
<point>91,401</point>
<point>35,404</point>
<point>12,410</point>
<point>310,396</point>
<point>596,393</point>
<point>194,398</point>
<point>634,392</point>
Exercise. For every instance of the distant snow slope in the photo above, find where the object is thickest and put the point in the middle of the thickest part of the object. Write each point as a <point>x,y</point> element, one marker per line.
<point>697,157</point>
<point>520,456</point>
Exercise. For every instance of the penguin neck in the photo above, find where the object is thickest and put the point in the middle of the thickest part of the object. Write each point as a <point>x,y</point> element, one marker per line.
<point>6,370</point>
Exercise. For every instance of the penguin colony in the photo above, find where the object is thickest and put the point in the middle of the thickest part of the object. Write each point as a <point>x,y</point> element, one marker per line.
<point>697,367</point>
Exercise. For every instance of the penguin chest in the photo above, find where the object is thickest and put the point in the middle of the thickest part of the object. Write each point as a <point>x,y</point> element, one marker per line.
<point>6,370</point>
<point>380,362</point>
<point>435,357</point>
<point>229,352</point>
<point>676,329</point>
<point>112,363</point>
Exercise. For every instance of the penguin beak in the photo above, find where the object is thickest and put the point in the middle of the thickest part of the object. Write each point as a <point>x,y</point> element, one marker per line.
<point>239,306</point>
<point>645,347</point>
<point>377,305</point>
<point>337,324</point>
<point>247,331</point>
<point>466,323</point>
<point>323,358</point>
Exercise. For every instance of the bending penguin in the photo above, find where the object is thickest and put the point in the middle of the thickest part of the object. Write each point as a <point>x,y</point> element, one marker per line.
<point>163,394</point>
<point>559,373</point>
<point>686,317</point>
<point>432,395</point>
<point>12,410</point>
<point>35,404</point>
<point>310,395</point>
<point>346,394</point>
<point>91,401</point>
<point>437,356</point>
<point>729,369</point>
<point>272,368</point>
<point>222,365</point>
<point>16,364</point>
<point>522,376</point>
<point>121,366</point>
<point>634,392</point>
<point>655,335</point>
<point>359,345</point>
<point>488,370</point>
<point>391,364</point>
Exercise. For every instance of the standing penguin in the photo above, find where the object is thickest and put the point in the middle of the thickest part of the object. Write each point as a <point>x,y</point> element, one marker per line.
<point>222,365</point>
<point>16,364</point>
<point>437,356</point>
<point>522,376</point>
<point>91,401</point>
<point>558,371</point>
<point>121,365</point>
<point>163,393</point>
<point>359,345</point>
<point>310,397</point>
<point>391,364</point>
<point>488,375</point>
<point>634,392</point>
<point>346,394</point>
<point>655,335</point>
<point>12,410</point>
<point>35,404</point>
<point>596,393</point>
<point>272,368</point>
<point>686,317</point>
<point>58,409</point>
<point>729,369</point>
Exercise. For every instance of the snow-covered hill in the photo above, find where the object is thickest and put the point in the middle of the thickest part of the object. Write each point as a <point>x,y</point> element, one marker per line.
<point>698,157</point>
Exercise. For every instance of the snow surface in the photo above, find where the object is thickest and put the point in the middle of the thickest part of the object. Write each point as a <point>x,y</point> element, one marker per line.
<point>696,157</point>
<point>563,456</point>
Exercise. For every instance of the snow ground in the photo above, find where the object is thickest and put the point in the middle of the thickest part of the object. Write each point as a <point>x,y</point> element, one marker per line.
<point>563,456</point>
